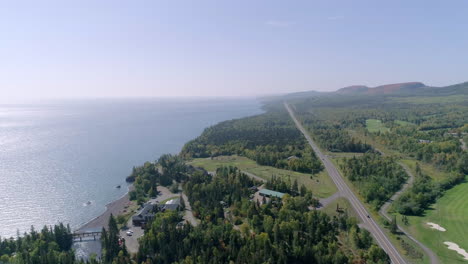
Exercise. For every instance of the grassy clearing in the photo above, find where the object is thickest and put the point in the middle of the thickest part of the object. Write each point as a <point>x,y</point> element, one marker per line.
<point>427,169</point>
<point>375,125</point>
<point>404,123</point>
<point>321,184</point>
<point>360,134</point>
<point>122,219</point>
<point>450,212</point>
<point>344,204</point>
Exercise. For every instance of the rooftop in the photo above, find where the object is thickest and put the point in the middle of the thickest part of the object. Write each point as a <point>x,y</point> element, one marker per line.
<point>267,192</point>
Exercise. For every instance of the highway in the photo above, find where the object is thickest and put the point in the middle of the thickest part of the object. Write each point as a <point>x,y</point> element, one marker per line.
<point>346,192</point>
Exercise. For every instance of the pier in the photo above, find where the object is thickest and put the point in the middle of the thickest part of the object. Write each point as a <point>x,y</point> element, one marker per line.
<point>81,235</point>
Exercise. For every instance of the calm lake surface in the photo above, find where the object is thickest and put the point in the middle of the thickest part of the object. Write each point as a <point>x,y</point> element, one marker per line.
<point>56,157</point>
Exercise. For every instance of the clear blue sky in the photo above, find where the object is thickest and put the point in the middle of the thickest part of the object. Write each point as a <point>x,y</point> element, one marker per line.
<point>226,48</point>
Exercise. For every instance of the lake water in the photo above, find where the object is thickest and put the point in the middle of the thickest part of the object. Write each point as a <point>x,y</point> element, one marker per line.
<point>56,157</point>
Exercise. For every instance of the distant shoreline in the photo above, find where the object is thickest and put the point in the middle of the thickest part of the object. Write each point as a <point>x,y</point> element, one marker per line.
<point>116,207</point>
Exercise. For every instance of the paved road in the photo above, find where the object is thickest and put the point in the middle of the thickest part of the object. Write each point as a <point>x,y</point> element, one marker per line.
<point>324,202</point>
<point>384,212</point>
<point>361,211</point>
<point>188,216</point>
<point>132,242</point>
<point>384,209</point>
<point>251,175</point>
<point>463,144</point>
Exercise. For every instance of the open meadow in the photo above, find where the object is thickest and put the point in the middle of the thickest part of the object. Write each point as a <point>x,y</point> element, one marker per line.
<point>450,213</point>
<point>374,125</point>
<point>320,184</point>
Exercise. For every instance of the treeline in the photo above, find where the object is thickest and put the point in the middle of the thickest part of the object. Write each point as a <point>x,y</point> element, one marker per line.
<point>208,194</point>
<point>167,170</point>
<point>280,185</point>
<point>270,139</point>
<point>336,139</point>
<point>332,134</point>
<point>285,231</point>
<point>114,249</point>
<point>49,246</point>
<point>376,177</point>
<point>53,245</point>
<point>424,192</point>
<point>436,147</point>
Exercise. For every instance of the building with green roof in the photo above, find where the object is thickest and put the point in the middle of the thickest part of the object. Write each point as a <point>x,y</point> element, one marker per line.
<point>270,193</point>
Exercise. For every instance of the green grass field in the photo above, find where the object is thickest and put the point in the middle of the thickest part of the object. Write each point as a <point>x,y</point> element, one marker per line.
<point>404,123</point>
<point>344,204</point>
<point>320,184</point>
<point>374,125</point>
<point>450,212</point>
<point>360,135</point>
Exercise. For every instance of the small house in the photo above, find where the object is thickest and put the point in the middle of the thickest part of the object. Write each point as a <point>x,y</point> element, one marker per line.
<point>292,158</point>
<point>170,205</point>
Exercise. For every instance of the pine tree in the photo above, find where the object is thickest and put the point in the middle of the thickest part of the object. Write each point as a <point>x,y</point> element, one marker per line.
<point>295,187</point>
<point>393,225</point>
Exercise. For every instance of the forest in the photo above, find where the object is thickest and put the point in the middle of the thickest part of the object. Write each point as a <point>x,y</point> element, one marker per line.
<point>49,246</point>
<point>244,231</point>
<point>420,128</point>
<point>53,245</point>
<point>269,139</point>
<point>206,192</point>
<point>424,192</point>
<point>168,170</point>
<point>376,177</point>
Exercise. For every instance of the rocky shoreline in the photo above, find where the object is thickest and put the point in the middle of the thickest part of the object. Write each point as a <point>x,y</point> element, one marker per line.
<point>115,208</point>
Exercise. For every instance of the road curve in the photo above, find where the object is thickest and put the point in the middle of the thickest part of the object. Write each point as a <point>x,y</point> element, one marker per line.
<point>463,144</point>
<point>251,175</point>
<point>384,212</point>
<point>361,211</point>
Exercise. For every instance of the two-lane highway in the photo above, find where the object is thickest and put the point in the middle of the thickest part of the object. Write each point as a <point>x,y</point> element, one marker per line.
<point>367,220</point>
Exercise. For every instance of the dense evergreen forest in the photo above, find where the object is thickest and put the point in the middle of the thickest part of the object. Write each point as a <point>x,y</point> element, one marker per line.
<point>245,231</point>
<point>169,170</point>
<point>50,245</point>
<point>209,195</point>
<point>270,139</point>
<point>424,192</point>
<point>376,177</point>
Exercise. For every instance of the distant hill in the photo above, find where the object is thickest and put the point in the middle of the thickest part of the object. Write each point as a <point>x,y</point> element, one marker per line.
<point>383,89</point>
<point>291,96</point>
<point>394,90</point>
<point>455,89</point>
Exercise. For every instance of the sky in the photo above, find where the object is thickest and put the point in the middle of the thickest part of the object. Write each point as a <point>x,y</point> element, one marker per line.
<point>88,48</point>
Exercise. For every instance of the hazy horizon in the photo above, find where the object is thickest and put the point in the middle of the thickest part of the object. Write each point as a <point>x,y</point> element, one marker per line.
<point>120,49</point>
